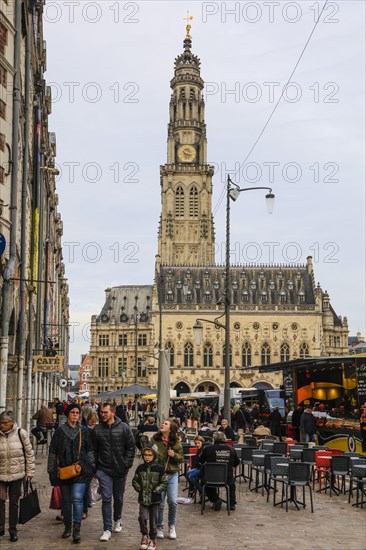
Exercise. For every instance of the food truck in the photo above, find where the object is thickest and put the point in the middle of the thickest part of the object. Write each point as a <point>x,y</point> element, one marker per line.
<point>335,387</point>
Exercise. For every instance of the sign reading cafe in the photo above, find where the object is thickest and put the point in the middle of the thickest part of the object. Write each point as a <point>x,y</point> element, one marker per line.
<point>48,364</point>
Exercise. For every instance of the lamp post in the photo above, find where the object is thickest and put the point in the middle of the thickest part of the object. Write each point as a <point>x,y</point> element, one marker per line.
<point>232,192</point>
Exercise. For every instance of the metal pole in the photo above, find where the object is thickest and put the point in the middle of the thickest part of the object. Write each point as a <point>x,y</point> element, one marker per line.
<point>227,408</point>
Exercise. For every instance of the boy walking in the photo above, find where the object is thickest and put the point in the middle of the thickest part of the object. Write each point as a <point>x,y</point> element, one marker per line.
<point>149,481</point>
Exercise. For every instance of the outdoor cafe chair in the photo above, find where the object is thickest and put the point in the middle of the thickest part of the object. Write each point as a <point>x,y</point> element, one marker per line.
<point>246,459</point>
<point>298,477</point>
<point>279,473</point>
<point>280,447</point>
<point>296,452</point>
<point>358,477</point>
<point>339,468</point>
<point>215,475</point>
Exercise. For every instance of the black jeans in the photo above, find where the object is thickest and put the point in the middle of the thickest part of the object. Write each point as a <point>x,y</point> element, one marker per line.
<point>39,433</point>
<point>14,489</point>
<point>149,513</point>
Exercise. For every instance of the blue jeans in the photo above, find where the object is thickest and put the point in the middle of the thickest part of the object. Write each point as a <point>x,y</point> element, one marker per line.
<point>309,437</point>
<point>194,476</point>
<point>72,495</point>
<point>172,494</point>
<point>111,487</point>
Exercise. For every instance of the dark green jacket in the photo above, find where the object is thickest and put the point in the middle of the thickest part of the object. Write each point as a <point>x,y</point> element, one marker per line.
<point>171,464</point>
<point>149,481</point>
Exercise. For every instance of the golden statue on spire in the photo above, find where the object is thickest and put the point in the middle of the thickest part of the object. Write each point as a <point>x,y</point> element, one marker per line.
<point>188,26</point>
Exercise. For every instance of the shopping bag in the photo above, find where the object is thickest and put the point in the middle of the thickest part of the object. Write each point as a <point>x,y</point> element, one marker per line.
<point>94,490</point>
<point>28,503</point>
<point>56,500</point>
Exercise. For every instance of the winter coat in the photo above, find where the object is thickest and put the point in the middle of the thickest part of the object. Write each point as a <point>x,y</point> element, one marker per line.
<point>242,419</point>
<point>308,423</point>
<point>64,450</point>
<point>13,465</point>
<point>229,432</point>
<point>171,464</point>
<point>149,481</point>
<point>114,448</point>
<point>44,416</point>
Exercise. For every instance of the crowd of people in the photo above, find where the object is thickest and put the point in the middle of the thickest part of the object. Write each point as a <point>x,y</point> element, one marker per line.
<point>95,442</point>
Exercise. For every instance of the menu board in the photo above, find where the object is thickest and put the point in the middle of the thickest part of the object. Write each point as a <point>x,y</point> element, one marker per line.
<point>361,383</point>
<point>288,383</point>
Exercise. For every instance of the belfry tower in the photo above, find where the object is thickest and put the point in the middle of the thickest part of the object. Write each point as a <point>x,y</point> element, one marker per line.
<point>186,232</point>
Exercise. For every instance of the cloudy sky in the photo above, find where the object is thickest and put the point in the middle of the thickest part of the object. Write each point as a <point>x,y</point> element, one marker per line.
<point>109,65</point>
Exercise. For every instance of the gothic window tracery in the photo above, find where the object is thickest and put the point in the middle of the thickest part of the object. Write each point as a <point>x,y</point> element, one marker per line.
<point>188,355</point>
<point>169,347</point>
<point>265,354</point>
<point>246,356</point>
<point>285,352</point>
<point>193,202</point>
<point>304,351</point>
<point>208,356</point>
<point>179,202</point>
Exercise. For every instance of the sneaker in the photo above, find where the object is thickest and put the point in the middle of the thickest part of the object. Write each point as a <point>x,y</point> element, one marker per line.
<point>217,505</point>
<point>106,535</point>
<point>144,543</point>
<point>172,533</point>
<point>152,545</point>
<point>117,526</point>
<point>160,534</point>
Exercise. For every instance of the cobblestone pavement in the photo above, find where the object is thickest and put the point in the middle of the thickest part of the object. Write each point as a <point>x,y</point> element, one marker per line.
<point>255,524</point>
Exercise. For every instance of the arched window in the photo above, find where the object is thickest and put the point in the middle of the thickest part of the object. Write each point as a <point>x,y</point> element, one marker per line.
<point>169,347</point>
<point>304,351</point>
<point>246,356</point>
<point>224,358</point>
<point>193,202</point>
<point>265,354</point>
<point>285,352</point>
<point>179,202</point>
<point>207,356</point>
<point>188,355</point>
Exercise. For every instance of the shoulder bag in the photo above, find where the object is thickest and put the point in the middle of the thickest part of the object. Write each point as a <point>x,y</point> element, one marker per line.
<point>68,472</point>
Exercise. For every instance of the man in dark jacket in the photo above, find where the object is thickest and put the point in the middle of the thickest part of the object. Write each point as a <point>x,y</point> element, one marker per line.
<point>242,418</point>
<point>308,425</point>
<point>275,420</point>
<point>227,430</point>
<point>295,421</point>
<point>114,448</point>
<point>223,453</point>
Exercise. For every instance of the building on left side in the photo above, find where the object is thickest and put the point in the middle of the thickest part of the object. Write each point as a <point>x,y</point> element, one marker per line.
<point>34,318</point>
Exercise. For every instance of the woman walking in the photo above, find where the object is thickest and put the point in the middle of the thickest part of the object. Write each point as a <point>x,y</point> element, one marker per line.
<point>71,444</point>
<point>170,456</point>
<point>16,462</point>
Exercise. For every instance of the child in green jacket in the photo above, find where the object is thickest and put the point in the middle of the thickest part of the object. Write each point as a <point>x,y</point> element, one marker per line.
<point>149,481</point>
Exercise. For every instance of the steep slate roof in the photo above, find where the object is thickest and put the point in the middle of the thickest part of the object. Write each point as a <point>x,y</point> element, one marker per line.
<point>121,300</point>
<point>250,285</point>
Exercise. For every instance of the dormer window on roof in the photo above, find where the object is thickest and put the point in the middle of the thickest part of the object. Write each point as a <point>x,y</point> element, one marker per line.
<point>245,296</point>
<point>264,296</point>
<point>283,295</point>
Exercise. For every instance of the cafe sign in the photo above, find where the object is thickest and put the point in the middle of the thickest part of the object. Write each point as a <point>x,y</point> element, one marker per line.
<point>42,363</point>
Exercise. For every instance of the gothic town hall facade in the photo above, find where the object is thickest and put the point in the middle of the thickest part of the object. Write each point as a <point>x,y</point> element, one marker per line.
<point>276,313</point>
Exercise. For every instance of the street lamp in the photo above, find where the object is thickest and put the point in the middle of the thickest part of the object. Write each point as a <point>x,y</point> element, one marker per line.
<point>232,192</point>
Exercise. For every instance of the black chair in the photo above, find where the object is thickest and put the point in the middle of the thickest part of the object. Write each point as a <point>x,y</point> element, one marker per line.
<point>298,476</point>
<point>320,448</point>
<point>358,476</point>
<point>267,445</point>
<point>250,441</point>
<point>280,447</point>
<point>186,458</point>
<point>339,468</point>
<point>246,460</point>
<point>215,476</point>
<point>308,456</point>
<point>296,452</point>
<point>279,474</point>
<point>258,470</point>
<point>349,453</point>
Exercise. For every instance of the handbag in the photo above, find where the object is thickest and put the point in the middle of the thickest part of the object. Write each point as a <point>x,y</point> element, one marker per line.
<point>28,503</point>
<point>68,472</point>
<point>56,501</point>
<point>94,491</point>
